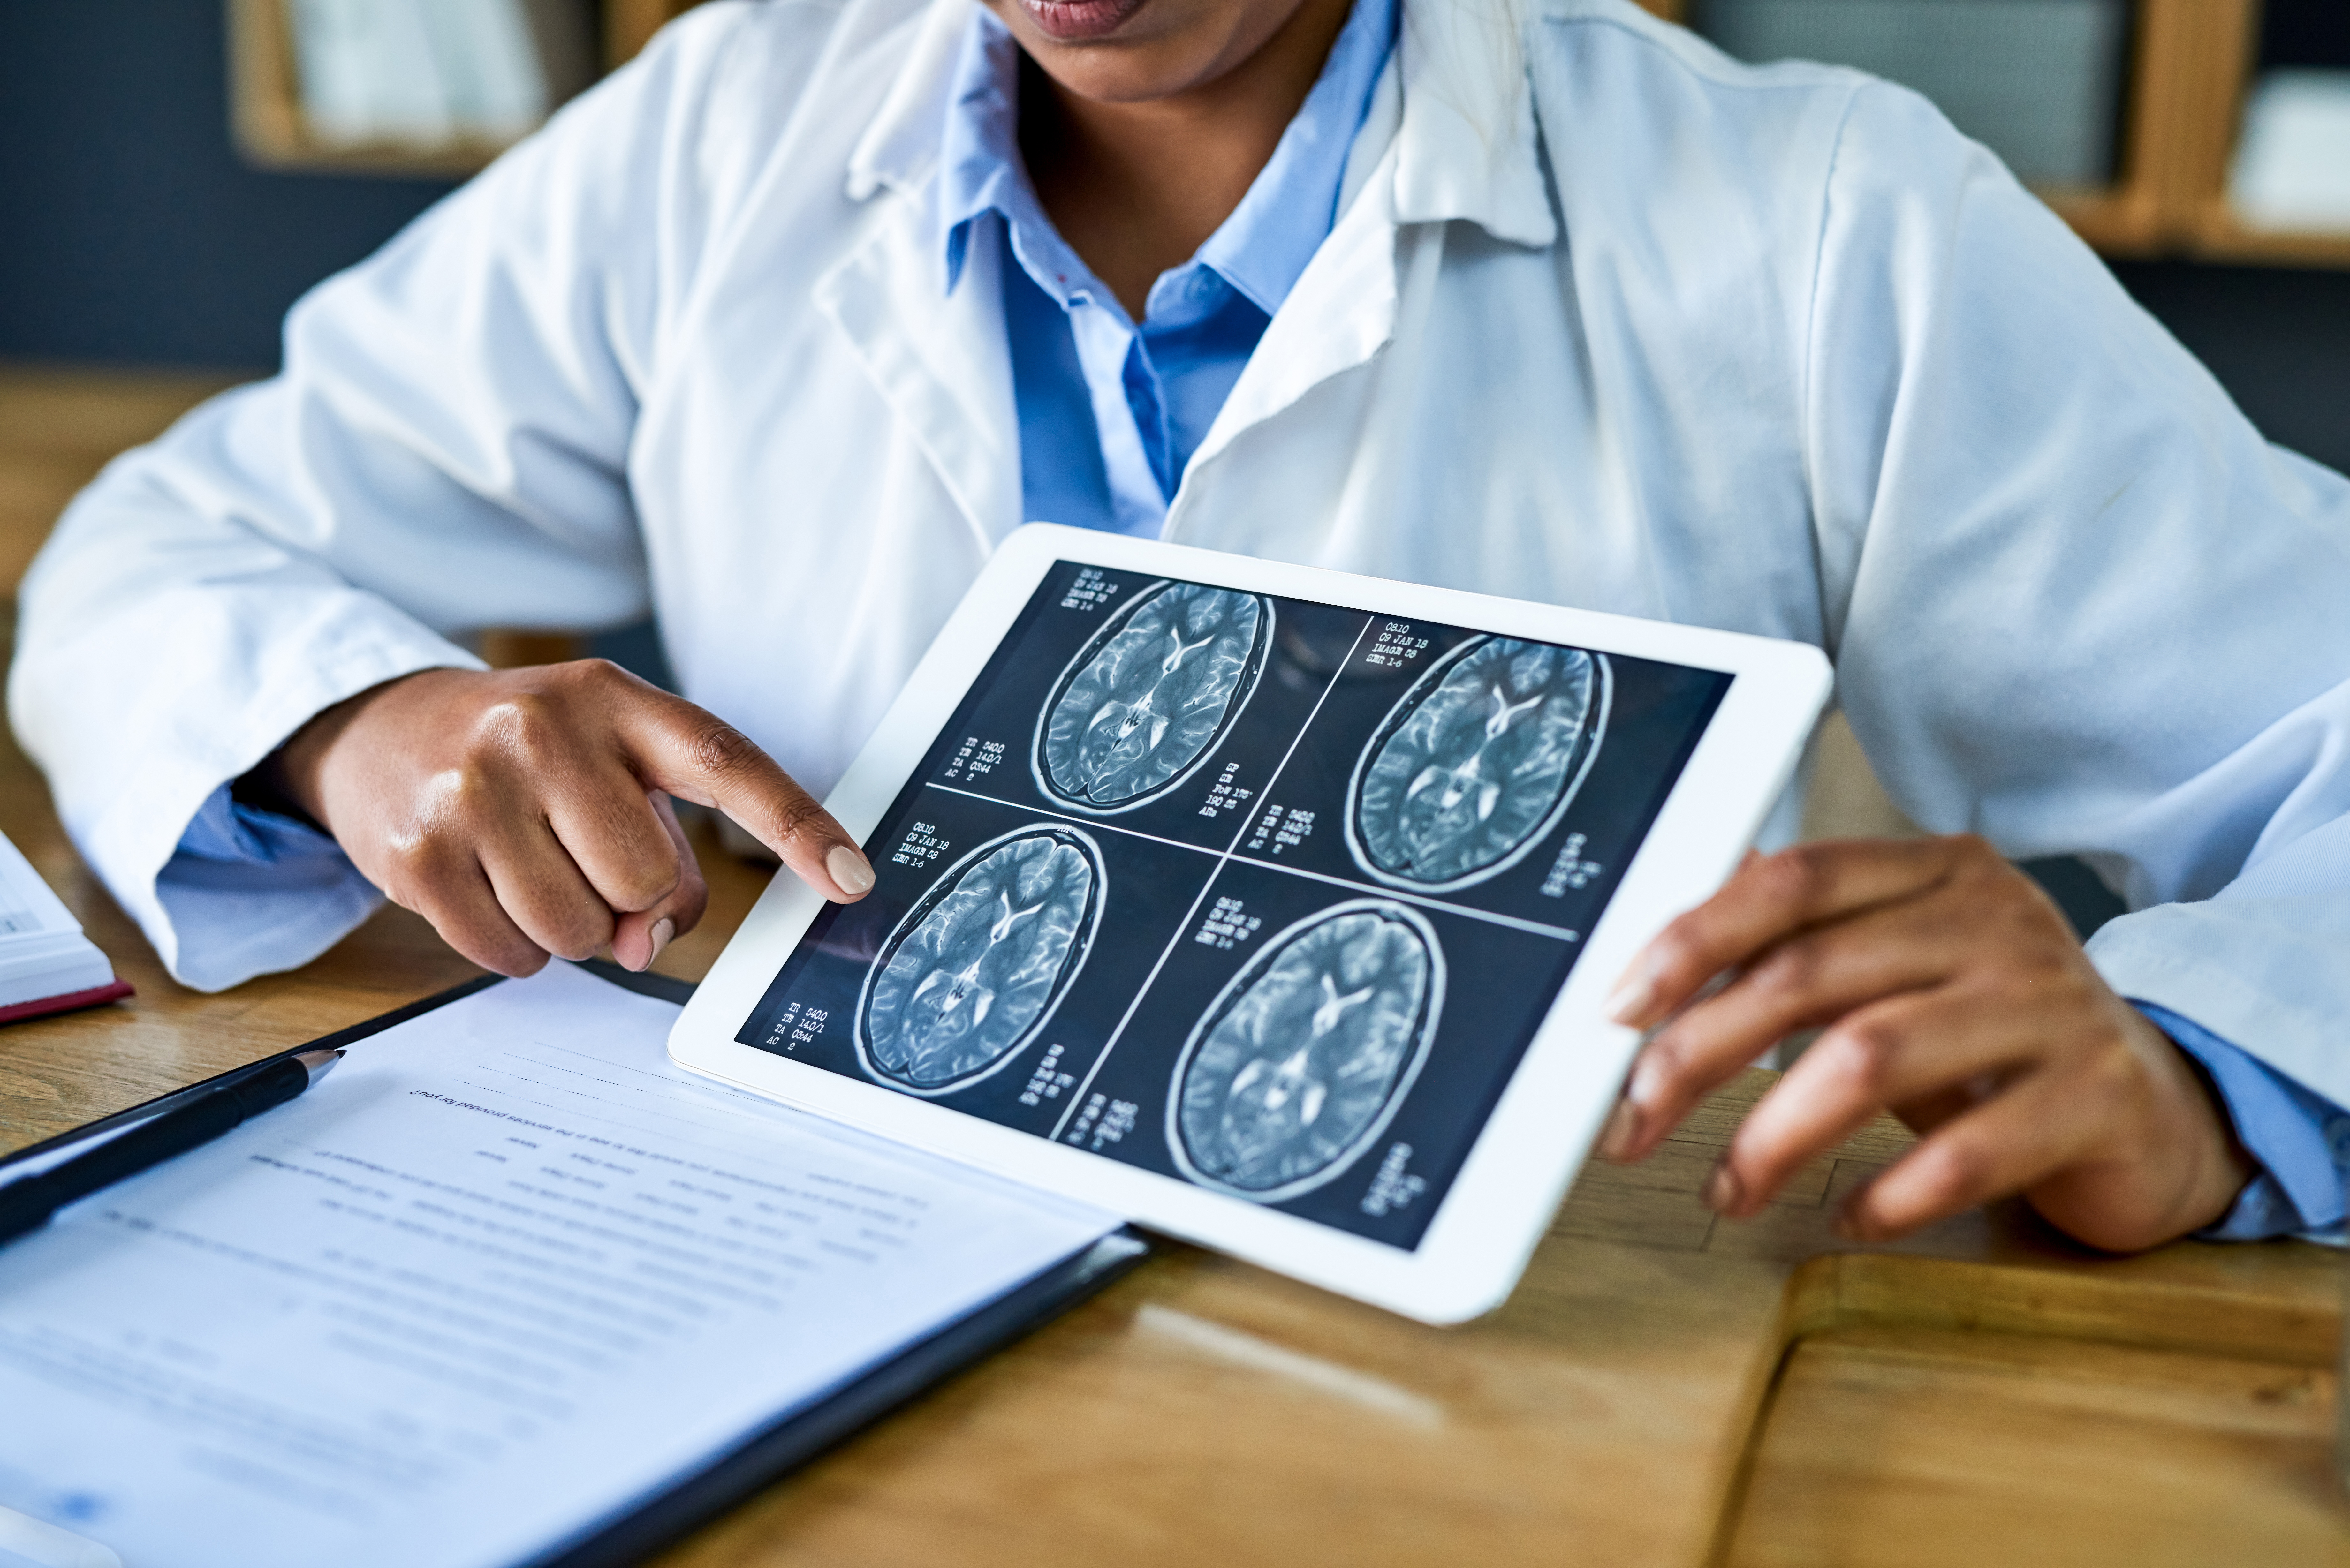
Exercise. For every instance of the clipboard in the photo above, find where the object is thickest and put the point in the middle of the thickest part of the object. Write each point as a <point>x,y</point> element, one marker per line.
<point>763,1453</point>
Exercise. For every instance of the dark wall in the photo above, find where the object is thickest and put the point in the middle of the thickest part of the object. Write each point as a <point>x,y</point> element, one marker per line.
<point>129,229</point>
<point>2305,33</point>
<point>2277,338</point>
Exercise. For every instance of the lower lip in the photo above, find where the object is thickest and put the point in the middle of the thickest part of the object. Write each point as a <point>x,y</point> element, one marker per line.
<point>1079,21</point>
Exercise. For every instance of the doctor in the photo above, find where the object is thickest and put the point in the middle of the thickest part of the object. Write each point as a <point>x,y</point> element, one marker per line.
<point>776,332</point>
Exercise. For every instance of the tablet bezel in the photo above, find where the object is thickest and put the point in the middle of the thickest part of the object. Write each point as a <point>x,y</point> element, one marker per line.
<point>1503,1197</point>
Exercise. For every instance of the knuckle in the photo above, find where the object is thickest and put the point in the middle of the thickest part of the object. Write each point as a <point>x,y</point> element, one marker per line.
<point>525,725</point>
<point>793,817</point>
<point>1863,1051</point>
<point>417,867</point>
<point>493,944</point>
<point>1795,878</point>
<point>1973,852</point>
<point>581,948</point>
<point>642,885</point>
<point>1664,1063</point>
<point>1958,1172</point>
<point>586,674</point>
<point>1674,950</point>
<point>516,961</point>
<point>690,898</point>
<point>579,933</point>
<point>640,873</point>
<point>1791,970</point>
<point>718,747</point>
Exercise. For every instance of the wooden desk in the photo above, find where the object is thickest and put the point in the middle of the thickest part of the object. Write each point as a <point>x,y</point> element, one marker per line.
<point>1663,1389</point>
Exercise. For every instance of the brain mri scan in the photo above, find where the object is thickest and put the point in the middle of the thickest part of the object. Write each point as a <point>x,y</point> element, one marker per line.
<point>1151,695</point>
<point>1303,1058</point>
<point>973,971</point>
<point>1477,761</point>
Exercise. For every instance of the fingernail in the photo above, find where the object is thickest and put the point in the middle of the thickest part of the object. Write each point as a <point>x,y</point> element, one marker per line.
<point>1646,1081</point>
<point>1622,1132</point>
<point>1723,1190</point>
<point>1633,993</point>
<point>664,929</point>
<point>849,871</point>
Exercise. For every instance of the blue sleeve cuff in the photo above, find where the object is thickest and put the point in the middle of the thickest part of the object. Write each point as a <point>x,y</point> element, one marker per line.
<point>2296,1137</point>
<point>249,892</point>
<point>228,830</point>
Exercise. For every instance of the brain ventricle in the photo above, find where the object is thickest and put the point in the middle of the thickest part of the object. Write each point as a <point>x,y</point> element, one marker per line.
<point>1154,695</point>
<point>967,976</point>
<point>1290,1075</point>
<point>1475,760</point>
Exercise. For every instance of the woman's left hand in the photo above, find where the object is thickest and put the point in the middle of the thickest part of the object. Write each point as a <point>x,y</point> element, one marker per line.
<point>1951,991</point>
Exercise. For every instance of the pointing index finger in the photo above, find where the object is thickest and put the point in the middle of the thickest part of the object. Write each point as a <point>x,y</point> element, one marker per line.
<point>696,756</point>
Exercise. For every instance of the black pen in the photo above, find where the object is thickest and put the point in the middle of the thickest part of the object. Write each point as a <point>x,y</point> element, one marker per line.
<point>27,1204</point>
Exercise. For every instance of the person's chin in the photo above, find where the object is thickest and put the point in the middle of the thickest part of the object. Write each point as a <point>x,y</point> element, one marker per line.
<point>1079,21</point>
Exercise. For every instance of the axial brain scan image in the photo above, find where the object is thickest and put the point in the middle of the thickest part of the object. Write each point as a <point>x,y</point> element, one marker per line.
<point>1293,1072</point>
<point>971,971</point>
<point>1476,762</point>
<point>1151,695</point>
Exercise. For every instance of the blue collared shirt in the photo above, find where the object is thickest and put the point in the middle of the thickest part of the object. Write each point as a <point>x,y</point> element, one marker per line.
<point>1111,411</point>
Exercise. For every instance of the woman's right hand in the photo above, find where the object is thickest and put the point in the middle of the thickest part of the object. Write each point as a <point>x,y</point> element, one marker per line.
<point>526,812</point>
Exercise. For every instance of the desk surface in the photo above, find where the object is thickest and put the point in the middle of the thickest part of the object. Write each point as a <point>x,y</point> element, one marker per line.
<point>1664,1388</point>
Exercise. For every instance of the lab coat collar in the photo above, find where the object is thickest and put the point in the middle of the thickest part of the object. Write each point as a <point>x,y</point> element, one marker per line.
<point>1466,148</point>
<point>900,150</point>
<point>939,360</point>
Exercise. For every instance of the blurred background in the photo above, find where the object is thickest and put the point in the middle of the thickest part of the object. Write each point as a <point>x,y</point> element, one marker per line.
<point>173,173</point>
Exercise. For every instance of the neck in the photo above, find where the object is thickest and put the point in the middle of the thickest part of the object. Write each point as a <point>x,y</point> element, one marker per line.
<point>1137,188</point>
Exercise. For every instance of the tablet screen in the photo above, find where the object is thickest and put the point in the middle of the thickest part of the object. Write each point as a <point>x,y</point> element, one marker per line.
<point>1266,895</point>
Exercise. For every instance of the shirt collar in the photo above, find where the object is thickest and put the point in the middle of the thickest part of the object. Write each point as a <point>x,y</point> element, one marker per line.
<point>1260,249</point>
<point>1483,167</point>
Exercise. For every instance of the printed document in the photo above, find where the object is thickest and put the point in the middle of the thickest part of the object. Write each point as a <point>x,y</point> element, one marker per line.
<point>502,1276</point>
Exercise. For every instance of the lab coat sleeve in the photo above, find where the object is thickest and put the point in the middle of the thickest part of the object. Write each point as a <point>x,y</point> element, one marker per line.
<point>445,450</point>
<point>2078,604</point>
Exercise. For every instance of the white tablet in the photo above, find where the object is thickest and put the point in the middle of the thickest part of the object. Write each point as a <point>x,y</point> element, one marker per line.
<point>1271,907</point>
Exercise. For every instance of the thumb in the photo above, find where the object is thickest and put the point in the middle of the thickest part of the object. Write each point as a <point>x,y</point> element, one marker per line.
<point>695,756</point>
<point>639,935</point>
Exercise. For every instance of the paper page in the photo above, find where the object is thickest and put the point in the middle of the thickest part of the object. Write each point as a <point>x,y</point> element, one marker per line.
<point>26,903</point>
<point>502,1274</point>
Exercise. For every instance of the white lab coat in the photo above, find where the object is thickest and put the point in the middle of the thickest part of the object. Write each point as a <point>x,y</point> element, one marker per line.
<point>1638,328</point>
